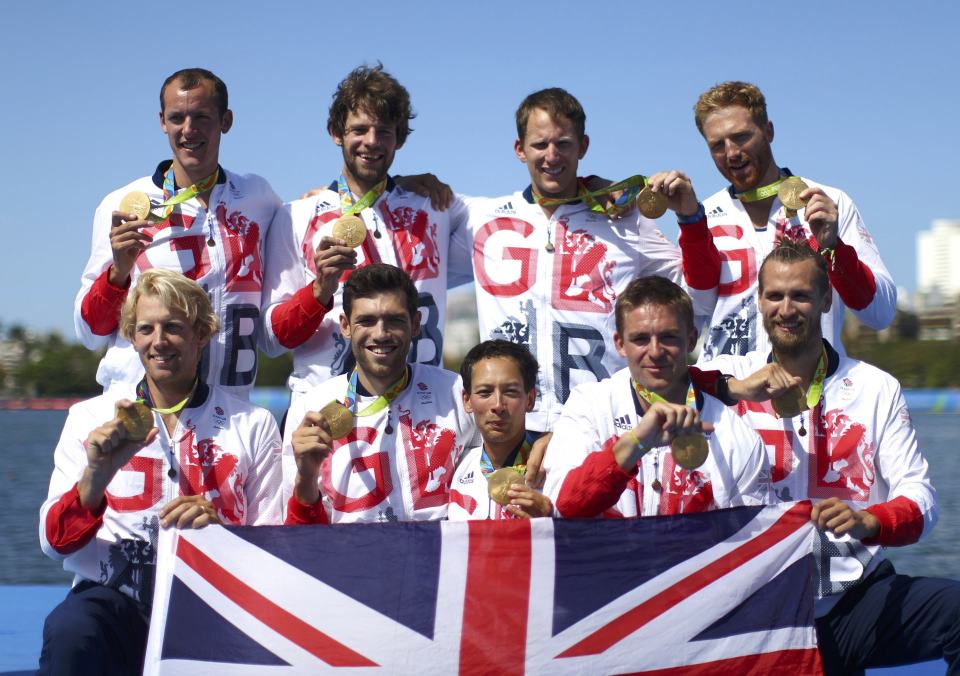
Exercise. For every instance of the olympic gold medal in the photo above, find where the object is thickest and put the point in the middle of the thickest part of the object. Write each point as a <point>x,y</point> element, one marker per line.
<point>791,403</point>
<point>137,420</point>
<point>351,230</point>
<point>789,192</point>
<point>689,450</point>
<point>651,204</point>
<point>136,202</point>
<point>339,418</point>
<point>499,482</point>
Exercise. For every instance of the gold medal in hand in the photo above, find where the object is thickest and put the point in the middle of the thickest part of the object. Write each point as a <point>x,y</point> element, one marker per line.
<point>137,203</point>
<point>339,419</point>
<point>689,450</point>
<point>791,403</point>
<point>789,193</point>
<point>351,229</point>
<point>651,204</point>
<point>137,420</point>
<point>499,482</point>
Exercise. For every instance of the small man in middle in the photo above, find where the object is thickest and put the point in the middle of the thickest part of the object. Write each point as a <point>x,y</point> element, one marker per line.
<point>499,389</point>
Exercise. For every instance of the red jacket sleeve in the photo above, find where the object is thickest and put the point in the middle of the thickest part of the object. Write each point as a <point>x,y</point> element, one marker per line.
<point>594,486</point>
<point>294,321</point>
<point>299,514</point>
<point>100,308</point>
<point>901,523</point>
<point>700,256</point>
<point>70,525</point>
<point>853,280</point>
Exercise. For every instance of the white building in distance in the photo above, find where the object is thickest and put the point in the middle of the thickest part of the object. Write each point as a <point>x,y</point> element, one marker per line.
<point>938,250</point>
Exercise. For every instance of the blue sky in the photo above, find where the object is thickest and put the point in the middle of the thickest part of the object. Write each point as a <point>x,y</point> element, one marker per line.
<point>863,96</point>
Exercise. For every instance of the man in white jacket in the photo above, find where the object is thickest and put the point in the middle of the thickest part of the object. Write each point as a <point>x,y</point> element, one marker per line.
<point>186,454</point>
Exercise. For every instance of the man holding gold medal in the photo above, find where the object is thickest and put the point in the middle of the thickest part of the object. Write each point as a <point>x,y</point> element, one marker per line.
<point>838,432</point>
<point>499,389</point>
<point>647,441</point>
<point>172,450</point>
<point>765,203</point>
<point>362,217</point>
<point>550,260</point>
<point>378,443</point>
<point>191,216</point>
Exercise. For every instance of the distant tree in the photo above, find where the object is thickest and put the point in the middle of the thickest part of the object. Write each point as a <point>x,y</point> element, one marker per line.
<point>56,368</point>
<point>274,371</point>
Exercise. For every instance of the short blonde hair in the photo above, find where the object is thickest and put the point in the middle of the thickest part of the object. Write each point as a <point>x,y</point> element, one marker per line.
<point>176,292</point>
<point>733,93</point>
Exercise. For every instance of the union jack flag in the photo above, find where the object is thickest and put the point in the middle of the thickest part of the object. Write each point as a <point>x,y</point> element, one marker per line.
<point>729,591</point>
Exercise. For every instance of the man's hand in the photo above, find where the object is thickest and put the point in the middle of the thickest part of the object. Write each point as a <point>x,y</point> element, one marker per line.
<point>681,198</point>
<point>534,475</point>
<point>189,511</point>
<point>430,186</point>
<point>108,449</point>
<point>821,214</point>
<point>769,382</point>
<point>840,518</point>
<point>526,502</point>
<point>311,444</point>
<point>126,242</point>
<point>331,260</point>
<point>658,427</point>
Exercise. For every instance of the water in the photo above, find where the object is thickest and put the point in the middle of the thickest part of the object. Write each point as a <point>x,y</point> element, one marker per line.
<point>27,461</point>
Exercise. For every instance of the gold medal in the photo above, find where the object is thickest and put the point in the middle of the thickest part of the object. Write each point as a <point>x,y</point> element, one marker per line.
<point>651,204</point>
<point>689,450</point>
<point>351,229</point>
<point>137,420</point>
<point>499,482</point>
<point>339,419</point>
<point>791,403</point>
<point>137,203</point>
<point>789,193</point>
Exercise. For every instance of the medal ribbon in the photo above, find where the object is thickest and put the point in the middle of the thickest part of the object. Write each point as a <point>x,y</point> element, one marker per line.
<point>517,458</point>
<point>380,402</point>
<point>652,397</point>
<point>631,187</point>
<point>349,207</point>
<point>761,193</point>
<point>171,197</point>
<point>143,396</point>
<point>815,390</point>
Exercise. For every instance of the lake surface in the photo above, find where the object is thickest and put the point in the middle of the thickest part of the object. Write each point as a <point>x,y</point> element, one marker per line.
<point>26,462</point>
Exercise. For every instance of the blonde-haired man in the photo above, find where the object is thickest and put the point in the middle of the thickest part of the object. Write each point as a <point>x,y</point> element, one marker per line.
<point>201,455</point>
<point>747,219</point>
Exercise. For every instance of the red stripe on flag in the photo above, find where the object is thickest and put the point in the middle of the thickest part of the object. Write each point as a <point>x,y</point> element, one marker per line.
<point>798,661</point>
<point>610,634</point>
<point>497,598</point>
<point>284,623</point>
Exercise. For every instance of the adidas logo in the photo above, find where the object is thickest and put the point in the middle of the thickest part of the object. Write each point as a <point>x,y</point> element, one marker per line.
<point>505,209</point>
<point>622,423</point>
<point>716,212</point>
<point>324,205</point>
<point>466,478</point>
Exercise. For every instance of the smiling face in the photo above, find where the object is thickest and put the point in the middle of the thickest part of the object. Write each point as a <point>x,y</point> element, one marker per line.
<point>192,122</point>
<point>740,147</point>
<point>380,329</point>
<point>552,150</point>
<point>368,146</point>
<point>168,345</point>
<point>498,401</point>
<point>792,302</point>
<point>655,342</point>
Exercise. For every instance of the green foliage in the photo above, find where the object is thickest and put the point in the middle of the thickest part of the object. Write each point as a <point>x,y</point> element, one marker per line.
<point>915,363</point>
<point>273,371</point>
<point>58,369</point>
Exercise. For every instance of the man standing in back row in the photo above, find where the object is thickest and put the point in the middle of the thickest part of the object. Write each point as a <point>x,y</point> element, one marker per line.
<point>369,120</point>
<point>205,222</point>
<point>747,218</point>
<point>549,262</point>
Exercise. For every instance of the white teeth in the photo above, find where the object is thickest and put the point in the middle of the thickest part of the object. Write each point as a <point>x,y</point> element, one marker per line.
<point>552,172</point>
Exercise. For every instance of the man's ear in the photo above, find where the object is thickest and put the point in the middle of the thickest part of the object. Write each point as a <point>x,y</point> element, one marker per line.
<point>226,122</point>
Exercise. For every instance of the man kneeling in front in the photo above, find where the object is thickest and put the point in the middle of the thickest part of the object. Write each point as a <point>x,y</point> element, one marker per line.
<point>175,451</point>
